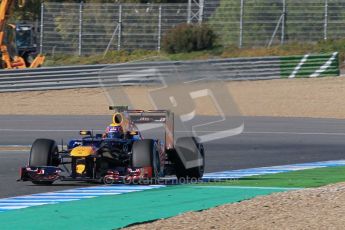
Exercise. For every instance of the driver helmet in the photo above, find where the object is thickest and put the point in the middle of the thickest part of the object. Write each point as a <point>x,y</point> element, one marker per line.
<point>114,131</point>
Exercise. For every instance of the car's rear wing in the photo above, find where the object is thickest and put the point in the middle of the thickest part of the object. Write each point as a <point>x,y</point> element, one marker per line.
<point>165,117</point>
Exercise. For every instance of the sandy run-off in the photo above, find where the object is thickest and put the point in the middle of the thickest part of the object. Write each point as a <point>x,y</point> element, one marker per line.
<point>319,97</point>
<point>319,208</point>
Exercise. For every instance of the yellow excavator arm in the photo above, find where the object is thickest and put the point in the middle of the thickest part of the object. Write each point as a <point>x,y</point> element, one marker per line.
<point>4,7</point>
<point>15,62</point>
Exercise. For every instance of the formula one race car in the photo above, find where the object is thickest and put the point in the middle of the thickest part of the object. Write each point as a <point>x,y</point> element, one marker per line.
<point>119,155</point>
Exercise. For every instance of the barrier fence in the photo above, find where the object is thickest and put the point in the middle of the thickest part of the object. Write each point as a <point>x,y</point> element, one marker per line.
<point>94,28</point>
<point>150,72</point>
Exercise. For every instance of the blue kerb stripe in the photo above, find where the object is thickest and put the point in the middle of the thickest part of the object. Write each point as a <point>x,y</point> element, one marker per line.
<point>97,191</point>
<point>16,204</point>
<point>246,172</point>
<point>12,203</point>
<point>235,174</point>
<point>25,201</point>
<point>8,209</point>
<point>88,194</point>
<point>76,194</point>
<point>110,188</point>
<point>46,200</point>
<point>57,199</point>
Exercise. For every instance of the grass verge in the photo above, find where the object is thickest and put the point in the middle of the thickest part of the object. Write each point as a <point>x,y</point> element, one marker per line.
<point>117,211</point>
<point>217,52</point>
<point>298,179</point>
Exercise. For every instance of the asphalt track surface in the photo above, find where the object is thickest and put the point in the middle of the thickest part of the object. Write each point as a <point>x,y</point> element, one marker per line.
<point>266,141</point>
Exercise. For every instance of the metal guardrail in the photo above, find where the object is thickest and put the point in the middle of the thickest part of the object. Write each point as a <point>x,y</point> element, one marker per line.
<point>87,76</point>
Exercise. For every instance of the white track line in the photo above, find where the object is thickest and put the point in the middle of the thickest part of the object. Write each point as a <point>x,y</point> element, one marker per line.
<point>298,133</point>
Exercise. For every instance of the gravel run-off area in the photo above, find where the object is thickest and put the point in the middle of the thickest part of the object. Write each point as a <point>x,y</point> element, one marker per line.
<point>318,208</point>
<point>319,97</point>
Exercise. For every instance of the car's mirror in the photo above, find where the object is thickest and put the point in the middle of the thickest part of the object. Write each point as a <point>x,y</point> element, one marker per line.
<point>85,133</point>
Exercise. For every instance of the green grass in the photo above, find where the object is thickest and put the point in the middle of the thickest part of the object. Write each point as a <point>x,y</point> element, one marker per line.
<point>217,52</point>
<point>297,179</point>
<point>117,211</point>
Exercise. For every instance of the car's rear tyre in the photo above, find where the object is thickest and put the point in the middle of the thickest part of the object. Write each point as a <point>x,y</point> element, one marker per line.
<point>189,145</point>
<point>145,154</point>
<point>44,152</point>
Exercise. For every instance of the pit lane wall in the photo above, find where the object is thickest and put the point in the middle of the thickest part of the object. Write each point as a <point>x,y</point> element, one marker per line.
<point>88,76</point>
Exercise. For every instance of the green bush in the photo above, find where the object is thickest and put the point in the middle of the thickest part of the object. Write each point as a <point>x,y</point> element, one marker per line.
<point>188,38</point>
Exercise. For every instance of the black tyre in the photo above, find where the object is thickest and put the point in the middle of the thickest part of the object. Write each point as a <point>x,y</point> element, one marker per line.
<point>145,154</point>
<point>44,152</point>
<point>29,58</point>
<point>189,148</point>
